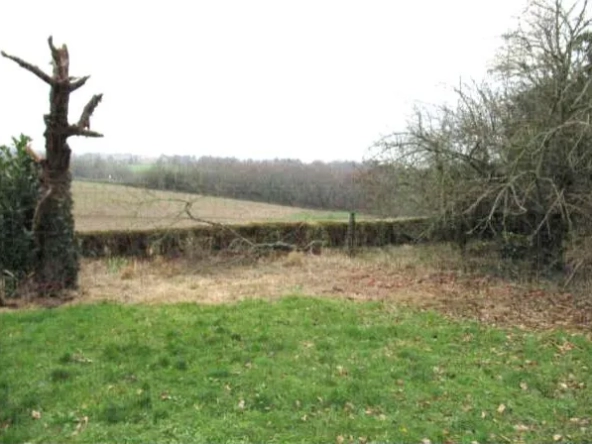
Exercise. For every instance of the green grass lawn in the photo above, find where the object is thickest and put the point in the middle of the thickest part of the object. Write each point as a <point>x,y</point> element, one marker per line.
<point>339,216</point>
<point>319,216</point>
<point>297,370</point>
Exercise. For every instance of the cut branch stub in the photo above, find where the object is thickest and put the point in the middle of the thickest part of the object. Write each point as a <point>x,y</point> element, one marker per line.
<point>77,83</point>
<point>61,61</point>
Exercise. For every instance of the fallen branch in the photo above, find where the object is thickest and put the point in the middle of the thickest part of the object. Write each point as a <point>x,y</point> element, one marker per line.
<point>313,247</point>
<point>188,206</point>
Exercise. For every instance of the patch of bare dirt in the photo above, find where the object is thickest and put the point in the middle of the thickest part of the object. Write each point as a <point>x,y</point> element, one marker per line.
<point>422,276</point>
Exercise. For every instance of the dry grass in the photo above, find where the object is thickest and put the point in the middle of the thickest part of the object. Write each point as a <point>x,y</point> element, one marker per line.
<point>99,206</point>
<point>419,276</point>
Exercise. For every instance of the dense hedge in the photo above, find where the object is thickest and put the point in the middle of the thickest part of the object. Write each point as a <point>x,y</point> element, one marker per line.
<point>19,182</point>
<point>174,241</point>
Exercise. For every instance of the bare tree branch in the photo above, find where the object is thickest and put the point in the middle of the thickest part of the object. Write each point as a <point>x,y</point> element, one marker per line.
<point>313,246</point>
<point>75,130</point>
<point>29,67</point>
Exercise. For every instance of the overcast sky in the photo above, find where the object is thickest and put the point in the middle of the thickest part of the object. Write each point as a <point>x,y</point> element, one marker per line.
<point>307,79</point>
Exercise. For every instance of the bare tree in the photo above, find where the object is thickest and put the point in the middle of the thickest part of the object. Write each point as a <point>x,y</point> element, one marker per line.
<point>53,223</point>
<point>516,147</point>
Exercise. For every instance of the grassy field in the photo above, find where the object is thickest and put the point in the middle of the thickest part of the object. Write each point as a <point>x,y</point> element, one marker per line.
<point>140,167</point>
<point>297,370</point>
<point>104,206</point>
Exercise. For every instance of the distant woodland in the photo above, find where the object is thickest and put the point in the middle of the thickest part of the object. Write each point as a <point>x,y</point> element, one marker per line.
<point>346,186</point>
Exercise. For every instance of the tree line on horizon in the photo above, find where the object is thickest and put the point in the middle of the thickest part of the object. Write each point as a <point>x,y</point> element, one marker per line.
<point>336,185</point>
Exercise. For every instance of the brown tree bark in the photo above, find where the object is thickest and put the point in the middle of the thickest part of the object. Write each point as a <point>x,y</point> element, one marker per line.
<point>53,224</point>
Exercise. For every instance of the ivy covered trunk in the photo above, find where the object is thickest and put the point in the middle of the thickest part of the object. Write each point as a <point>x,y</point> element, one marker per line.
<point>57,261</point>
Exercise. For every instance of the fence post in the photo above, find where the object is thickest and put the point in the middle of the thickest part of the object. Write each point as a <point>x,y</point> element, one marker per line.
<point>351,234</point>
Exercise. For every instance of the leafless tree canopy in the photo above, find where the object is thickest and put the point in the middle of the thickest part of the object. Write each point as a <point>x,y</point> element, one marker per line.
<point>517,145</point>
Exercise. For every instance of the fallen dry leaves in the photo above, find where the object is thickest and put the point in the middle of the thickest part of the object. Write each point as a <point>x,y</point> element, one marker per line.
<point>418,276</point>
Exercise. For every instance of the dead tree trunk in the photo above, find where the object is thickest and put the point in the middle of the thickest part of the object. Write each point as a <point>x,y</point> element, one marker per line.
<point>53,223</point>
